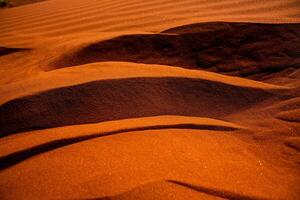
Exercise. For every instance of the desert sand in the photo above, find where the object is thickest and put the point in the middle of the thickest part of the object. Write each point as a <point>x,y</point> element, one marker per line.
<point>158,99</point>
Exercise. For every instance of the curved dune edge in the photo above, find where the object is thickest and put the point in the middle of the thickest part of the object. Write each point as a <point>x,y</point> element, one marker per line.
<point>21,147</point>
<point>117,70</point>
<point>13,143</point>
<point>167,188</point>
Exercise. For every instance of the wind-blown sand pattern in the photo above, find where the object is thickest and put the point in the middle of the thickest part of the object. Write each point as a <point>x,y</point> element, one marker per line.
<point>159,99</point>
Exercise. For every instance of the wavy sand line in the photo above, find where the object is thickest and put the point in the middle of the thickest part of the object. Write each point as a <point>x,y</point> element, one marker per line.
<point>17,157</point>
<point>147,21</point>
<point>203,192</point>
<point>20,142</point>
<point>215,192</point>
<point>140,10</point>
<point>88,14</point>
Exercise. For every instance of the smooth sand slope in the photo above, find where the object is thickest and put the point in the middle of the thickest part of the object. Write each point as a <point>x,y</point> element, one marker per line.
<point>159,99</point>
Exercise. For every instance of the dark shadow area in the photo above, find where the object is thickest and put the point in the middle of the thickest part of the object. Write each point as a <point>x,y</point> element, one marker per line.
<point>14,3</point>
<point>5,50</point>
<point>240,49</point>
<point>115,99</point>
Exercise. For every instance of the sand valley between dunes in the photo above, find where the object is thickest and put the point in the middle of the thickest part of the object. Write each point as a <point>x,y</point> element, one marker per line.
<point>157,99</point>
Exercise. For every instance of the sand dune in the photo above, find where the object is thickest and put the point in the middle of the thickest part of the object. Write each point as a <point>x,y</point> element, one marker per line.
<point>40,142</point>
<point>160,99</point>
<point>246,49</point>
<point>81,74</point>
<point>125,98</point>
<point>121,158</point>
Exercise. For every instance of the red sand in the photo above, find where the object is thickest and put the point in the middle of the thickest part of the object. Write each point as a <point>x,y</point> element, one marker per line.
<point>157,99</point>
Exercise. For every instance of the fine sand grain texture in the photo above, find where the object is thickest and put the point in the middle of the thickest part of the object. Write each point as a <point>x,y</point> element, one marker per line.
<point>157,99</point>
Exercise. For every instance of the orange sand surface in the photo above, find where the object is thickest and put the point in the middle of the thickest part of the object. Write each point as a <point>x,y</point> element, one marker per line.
<point>158,99</point>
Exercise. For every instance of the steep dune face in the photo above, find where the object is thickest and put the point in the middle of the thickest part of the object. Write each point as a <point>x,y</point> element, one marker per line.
<point>160,99</point>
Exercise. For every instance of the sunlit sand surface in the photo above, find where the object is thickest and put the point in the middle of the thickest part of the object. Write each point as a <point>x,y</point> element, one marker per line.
<point>159,99</point>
